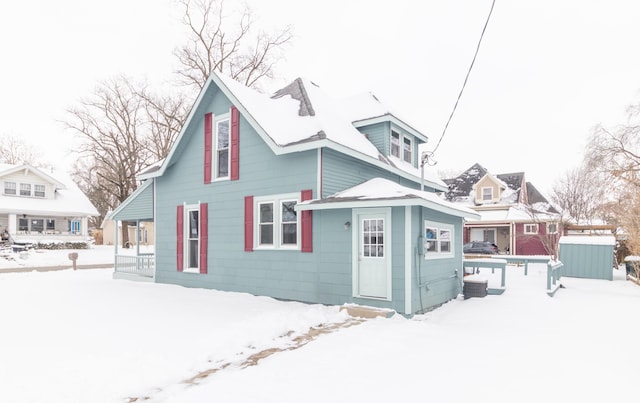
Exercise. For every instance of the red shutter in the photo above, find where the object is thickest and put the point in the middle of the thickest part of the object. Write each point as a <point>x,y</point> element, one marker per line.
<point>307,223</point>
<point>248,223</point>
<point>180,238</point>
<point>235,144</point>
<point>208,146</point>
<point>204,236</point>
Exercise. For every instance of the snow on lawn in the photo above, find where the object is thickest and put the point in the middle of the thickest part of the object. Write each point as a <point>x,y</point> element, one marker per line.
<point>81,337</point>
<point>97,254</point>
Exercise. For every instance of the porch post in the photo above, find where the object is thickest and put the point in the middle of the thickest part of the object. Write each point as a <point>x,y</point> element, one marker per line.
<point>115,243</point>
<point>138,244</point>
<point>12,224</point>
<point>85,225</point>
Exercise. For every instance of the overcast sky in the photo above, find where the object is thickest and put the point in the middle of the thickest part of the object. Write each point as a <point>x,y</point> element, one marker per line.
<point>547,72</point>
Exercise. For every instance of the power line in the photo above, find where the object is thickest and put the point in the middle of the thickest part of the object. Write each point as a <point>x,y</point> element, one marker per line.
<point>465,79</point>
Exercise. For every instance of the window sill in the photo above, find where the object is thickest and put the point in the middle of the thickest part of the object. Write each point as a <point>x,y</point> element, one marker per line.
<point>191,271</point>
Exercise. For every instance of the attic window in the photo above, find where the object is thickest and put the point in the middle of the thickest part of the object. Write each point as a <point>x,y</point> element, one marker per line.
<point>10,188</point>
<point>25,189</point>
<point>408,150</point>
<point>38,190</point>
<point>487,194</point>
<point>395,144</point>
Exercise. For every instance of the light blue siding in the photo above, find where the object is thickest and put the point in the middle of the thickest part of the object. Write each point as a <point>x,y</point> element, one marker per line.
<point>340,172</point>
<point>440,278</point>
<point>139,207</point>
<point>378,134</point>
<point>587,261</point>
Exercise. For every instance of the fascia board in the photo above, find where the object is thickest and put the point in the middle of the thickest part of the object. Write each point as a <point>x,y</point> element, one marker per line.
<point>385,203</point>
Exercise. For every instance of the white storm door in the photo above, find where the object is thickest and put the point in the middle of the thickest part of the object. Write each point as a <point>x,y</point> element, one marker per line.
<point>373,256</point>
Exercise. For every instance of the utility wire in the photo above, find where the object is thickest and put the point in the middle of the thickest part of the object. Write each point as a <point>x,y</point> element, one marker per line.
<point>465,79</point>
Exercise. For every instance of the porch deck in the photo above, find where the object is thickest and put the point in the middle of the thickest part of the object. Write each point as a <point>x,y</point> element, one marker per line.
<point>141,266</point>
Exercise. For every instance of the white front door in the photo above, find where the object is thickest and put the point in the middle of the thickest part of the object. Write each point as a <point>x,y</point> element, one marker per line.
<point>373,269</point>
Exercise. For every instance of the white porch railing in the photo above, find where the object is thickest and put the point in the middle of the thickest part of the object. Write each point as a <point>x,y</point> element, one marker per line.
<point>141,265</point>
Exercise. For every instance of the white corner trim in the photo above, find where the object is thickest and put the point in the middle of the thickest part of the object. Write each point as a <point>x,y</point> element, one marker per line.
<point>408,247</point>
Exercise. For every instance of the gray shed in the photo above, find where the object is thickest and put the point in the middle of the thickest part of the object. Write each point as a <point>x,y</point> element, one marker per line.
<point>587,256</point>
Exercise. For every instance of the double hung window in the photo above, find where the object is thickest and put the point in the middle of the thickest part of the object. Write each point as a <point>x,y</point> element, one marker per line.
<point>192,244</point>
<point>10,188</point>
<point>438,240</point>
<point>277,226</point>
<point>221,143</point>
<point>25,189</point>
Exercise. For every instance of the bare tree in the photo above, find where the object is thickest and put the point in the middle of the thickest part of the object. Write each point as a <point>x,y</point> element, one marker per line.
<point>580,194</point>
<point>617,152</point>
<point>16,151</point>
<point>227,43</point>
<point>110,125</point>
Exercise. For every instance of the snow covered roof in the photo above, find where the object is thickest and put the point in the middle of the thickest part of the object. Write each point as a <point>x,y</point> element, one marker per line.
<point>462,189</point>
<point>68,199</point>
<point>302,117</point>
<point>382,192</point>
<point>516,213</point>
<point>608,240</point>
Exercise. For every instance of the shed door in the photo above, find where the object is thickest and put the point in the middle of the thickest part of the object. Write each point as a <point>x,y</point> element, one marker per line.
<point>373,256</point>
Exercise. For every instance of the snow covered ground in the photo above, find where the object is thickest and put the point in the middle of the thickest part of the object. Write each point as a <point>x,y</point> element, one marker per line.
<point>79,336</point>
<point>98,254</point>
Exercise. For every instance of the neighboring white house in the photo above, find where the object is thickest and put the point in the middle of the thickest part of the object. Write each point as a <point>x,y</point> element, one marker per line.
<point>41,206</point>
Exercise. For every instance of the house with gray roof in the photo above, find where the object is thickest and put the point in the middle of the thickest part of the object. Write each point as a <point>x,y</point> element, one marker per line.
<point>514,215</point>
<point>298,196</point>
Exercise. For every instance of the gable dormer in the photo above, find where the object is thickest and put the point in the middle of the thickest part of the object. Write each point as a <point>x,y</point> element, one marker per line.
<point>488,190</point>
<point>28,181</point>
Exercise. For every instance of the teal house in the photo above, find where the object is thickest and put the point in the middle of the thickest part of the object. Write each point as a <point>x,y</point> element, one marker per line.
<point>298,196</point>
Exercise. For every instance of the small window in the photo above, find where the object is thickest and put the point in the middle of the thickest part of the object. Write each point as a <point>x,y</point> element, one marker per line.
<point>531,228</point>
<point>487,194</point>
<point>25,189</point>
<point>277,225</point>
<point>289,220</point>
<point>266,224</point>
<point>395,144</point>
<point>193,238</point>
<point>10,188</point>
<point>438,240</point>
<point>407,150</point>
<point>222,149</point>
<point>552,228</point>
<point>51,225</point>
<point>38,190</point>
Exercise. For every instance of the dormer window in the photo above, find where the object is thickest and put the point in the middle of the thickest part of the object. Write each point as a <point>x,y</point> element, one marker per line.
<point>395,144</point>
<point>10,188</point>
<point>38,190</point>
<point>407,154</point>
<point>25,189</point>
<point>487,194</point>
<point>401,147</point>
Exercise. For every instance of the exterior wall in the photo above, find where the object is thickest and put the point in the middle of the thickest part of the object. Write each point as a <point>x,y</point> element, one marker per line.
<point>340,172</point>
<point>533,244</point>
<point>19,177</point>
<point>487,182</point>
<point>378,134</point>
<point>439,280</point>
<point>587,261</point>
<point>286,274</point>
<point>139,208</point>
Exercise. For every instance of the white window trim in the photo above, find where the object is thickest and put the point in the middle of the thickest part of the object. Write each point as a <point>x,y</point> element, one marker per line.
<point>527,228</point>
<point>401,139</point>
<point>214,151</point>
<point>411,146</point>
<point>277,201</point>
<point>44,191</point>
<point>185,236</point>
<point>482,194</point>
<point>554,232</point>
<point>439,226</point>
<point>15,188</point>
<point>399,144</point>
